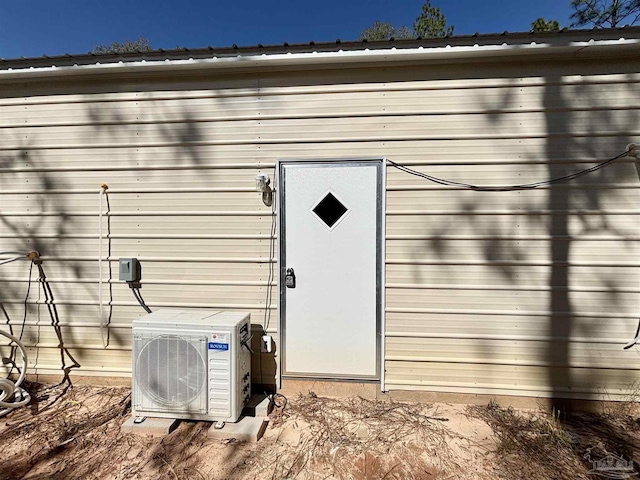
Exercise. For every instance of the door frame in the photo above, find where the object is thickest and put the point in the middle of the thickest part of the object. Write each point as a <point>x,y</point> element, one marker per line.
<point>381,163</point>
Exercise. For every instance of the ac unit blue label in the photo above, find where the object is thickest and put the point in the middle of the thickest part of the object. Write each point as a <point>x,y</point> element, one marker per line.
<point>218,346</point>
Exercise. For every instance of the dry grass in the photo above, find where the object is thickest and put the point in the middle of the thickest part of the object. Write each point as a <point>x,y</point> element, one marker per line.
<point>74,433</point>
<point>544,446</point>
<point>68,432</point>
<point>358,439</point>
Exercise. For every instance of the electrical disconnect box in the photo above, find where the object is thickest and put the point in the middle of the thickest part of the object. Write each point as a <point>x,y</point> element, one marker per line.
<point>129,270</point>
<point>192,364</point>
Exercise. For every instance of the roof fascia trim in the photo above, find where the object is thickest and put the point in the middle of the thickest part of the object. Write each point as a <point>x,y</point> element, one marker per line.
<point>325,59</point>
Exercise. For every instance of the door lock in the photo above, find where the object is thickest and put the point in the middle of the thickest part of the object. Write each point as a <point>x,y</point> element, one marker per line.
<point>290,278</point>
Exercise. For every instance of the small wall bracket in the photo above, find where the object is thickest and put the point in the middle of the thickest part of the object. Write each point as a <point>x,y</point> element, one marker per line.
<point>262,185</point>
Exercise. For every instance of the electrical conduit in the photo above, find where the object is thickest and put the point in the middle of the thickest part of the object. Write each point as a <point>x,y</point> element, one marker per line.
<point>103,325</point>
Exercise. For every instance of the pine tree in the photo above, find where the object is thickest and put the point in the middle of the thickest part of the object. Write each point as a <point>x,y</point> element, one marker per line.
<point>604,13</point>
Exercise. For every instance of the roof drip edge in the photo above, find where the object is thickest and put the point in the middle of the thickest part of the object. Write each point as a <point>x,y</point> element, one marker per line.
<point>325,58</point>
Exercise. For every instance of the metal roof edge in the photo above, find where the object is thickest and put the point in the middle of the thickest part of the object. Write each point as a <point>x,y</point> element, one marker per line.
<point>440,52</point>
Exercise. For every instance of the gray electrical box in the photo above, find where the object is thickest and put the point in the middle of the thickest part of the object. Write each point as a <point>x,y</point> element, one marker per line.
<point>129,270</point>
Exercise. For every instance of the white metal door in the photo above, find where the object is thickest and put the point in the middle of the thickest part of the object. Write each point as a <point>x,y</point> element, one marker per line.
<point>330,224</point>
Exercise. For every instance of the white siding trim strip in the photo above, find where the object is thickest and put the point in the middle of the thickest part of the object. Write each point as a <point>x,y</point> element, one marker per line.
<point>47,369</point>
<point>505,389</point>
<point>581,238</point>
<point>518,212</point>
<point>82,191</point>
<point>506,288</point>
<point>515,363</point>
<point>314,116</point>
<point>233,236</point>
<point>134,168</point>
<point>144,236</point>
<point>252,166</point>
<point>452,84</point>
<point>234,306</point>
<point>509,313</point>
<point>513,161</point>
<point>233,283</point>
<point>408,261</point>
<point>373,138</point>
<point>568,186</point>
<point>147,213</point>
<point>45,324</point>
<point>514,338</point>
<point>190,259</point>
<point>407,188</point>
<point>412,261</point>
<point>80,346</point>
<point>262,213</point>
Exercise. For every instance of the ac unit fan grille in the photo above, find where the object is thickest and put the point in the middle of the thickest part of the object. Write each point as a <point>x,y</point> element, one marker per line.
<point>170,370</point>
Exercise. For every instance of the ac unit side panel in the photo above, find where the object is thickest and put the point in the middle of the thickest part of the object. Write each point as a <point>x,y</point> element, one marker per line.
<point>221,346</point>
<point>243,366</point>
<point>229,359</point>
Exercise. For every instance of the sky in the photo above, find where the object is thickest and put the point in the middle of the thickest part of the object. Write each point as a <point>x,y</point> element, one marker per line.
<point>32,28</point>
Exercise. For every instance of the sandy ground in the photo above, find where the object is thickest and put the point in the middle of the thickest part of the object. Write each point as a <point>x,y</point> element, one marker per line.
<point>74,433</point>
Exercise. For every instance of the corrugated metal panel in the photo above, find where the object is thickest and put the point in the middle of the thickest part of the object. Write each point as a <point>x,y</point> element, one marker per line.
<point>494,378</point>
<point>455,78</point>
<point>108,114</point>
<point>452,324</point>
<point>528,292</point>
<point>332,129</point>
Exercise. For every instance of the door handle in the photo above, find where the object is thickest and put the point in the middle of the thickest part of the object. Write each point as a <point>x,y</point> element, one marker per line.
<point>290,278</point>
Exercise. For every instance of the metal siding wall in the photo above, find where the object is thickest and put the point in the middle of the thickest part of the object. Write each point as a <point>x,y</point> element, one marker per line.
<point>471,277</point>
<point>521,293</point>
<point>181,199</point>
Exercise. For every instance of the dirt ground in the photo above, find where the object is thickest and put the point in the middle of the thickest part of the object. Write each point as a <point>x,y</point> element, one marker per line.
<point>74,433</point>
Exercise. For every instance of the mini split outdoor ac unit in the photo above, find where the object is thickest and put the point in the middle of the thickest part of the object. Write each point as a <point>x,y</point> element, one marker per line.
<point>191,364</point>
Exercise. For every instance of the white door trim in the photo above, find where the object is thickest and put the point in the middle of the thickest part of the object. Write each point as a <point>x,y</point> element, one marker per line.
<point>381,248</point>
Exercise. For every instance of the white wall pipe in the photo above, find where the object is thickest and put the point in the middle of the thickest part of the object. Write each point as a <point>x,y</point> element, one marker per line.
<point>103,326</point>
<point>32,255</point>
<point>9,260</point>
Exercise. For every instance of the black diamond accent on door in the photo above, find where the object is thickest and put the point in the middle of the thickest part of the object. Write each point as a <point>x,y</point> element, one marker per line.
<point>330,210</point>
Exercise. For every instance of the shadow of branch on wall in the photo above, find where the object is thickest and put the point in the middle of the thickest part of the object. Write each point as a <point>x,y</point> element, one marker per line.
<point>590,193</point>
<point>557,254</point>
<point>30,219</point>
<point>160,134</point>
